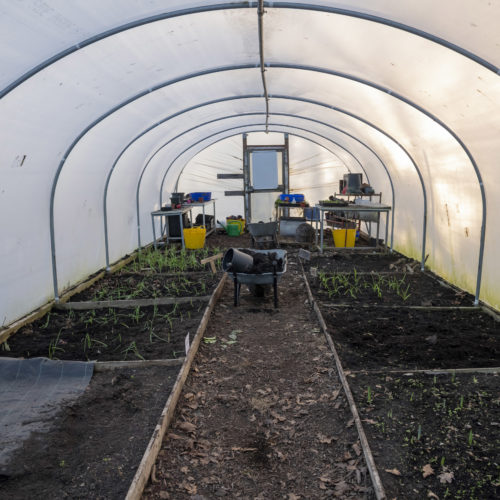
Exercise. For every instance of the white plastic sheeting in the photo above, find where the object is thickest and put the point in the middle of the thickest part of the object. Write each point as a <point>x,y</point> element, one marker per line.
<point>98,100</point>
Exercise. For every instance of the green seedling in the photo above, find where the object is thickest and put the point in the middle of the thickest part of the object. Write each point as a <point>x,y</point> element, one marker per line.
<point>209,340</point>
<point>470,438</point>
<point>47,320</point>
<point>53,346</point>
<point>404,294</point>
<point>136,315</point>
<point>369,398</point>
<point>132,348</point>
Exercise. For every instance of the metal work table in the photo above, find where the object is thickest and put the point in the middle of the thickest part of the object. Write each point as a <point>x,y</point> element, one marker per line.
<point>186,208</point>
<point>164,228</point>
<point>353,210</point>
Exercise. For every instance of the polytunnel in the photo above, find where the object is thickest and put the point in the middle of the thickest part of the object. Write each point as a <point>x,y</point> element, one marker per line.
<point>108,109</point>
<point>89,95</point>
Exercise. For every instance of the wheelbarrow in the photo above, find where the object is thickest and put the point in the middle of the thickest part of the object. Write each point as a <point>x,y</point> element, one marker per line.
<point>263,233</point>
<point>256,282</point>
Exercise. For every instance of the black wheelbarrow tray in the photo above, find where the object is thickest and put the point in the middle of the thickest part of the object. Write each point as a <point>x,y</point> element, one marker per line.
<point>258,281</point>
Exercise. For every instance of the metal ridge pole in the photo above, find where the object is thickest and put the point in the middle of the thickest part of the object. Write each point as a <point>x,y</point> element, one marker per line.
<point>260,13</point>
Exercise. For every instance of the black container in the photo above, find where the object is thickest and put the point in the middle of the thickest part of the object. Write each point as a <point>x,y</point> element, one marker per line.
<point>352,182</point>
<point>237,261</point>
<point>174,225</point>
<point>209,221</point>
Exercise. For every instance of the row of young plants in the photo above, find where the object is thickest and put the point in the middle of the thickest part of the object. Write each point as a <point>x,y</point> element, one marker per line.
<point>148,332</point>
<point>153,332</point>
<point>140,286</point>
<point>353,284</point>
<point>171,260</point>
<point>438,433</point>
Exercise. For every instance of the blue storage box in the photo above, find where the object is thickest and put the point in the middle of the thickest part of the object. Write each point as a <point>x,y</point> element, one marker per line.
<point>292,198</point>
<point>199,197</point>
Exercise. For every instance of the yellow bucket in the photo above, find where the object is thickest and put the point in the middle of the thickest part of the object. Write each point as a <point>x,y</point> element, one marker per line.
<point>194,237</point>
<point>340,239</point>
<point>239,222</point>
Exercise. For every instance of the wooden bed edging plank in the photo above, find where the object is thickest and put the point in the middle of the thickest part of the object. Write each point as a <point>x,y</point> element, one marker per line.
<point>370,462</point>
<point>104,366</point>
<point>402,306</point>
<point>427,371</point>
<point>130,303</point>
<point>144,470</point>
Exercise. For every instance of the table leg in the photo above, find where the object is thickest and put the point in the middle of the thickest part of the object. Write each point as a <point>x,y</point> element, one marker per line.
<point>321,232</point>
<point>154,231</point>
<point>182,230</point>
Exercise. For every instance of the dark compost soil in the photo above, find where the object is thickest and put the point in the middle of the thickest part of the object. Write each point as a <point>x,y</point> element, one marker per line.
<point>153,332</point>
<point>433,435</point>
<point>95,445</point>
<point>414,339</point>
<point>141,286</point>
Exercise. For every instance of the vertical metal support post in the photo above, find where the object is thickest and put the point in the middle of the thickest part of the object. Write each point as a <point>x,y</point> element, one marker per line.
<point>378,229</point>
<point>286,168</point>
<point>154,231</point>
<point>246,179</point>
<point>387,229</point>
<point>321,231</point>
<point>181,225</point>
<point>286,173</point>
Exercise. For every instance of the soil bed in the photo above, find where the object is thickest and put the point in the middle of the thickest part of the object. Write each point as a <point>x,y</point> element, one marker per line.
<point>155,332</point>
<point>433,436</point>
<point>366,261</point>
<point>172,259</point>
<point>375,338</point>
<point>139,286</point>
<point>95,445</point>
<point>420,289</point>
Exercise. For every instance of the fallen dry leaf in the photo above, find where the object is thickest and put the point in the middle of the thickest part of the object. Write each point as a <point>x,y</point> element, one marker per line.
<point>430,494</point>
<point>238,448</point>
<point>357,449</point>
<point>293,496</point>
<point>324,439</point>
<point>446,477</point>
<point>184,470</point>
<point>335,394</point>
<point>427,470</point>
<point>394,472</point>
<point>369,421</point>
<point>171,435</point>
<point>187,426</point>
<point>340,488</point>
<point>278,417</point>
<point>190,488</point>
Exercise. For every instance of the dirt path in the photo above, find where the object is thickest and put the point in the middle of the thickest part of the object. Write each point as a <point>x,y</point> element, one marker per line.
<point>262,414</point>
